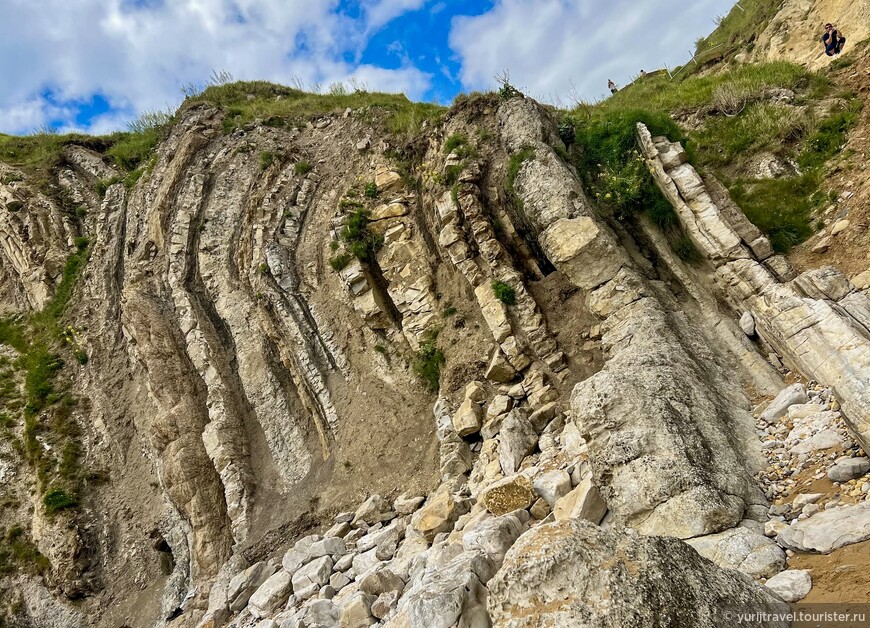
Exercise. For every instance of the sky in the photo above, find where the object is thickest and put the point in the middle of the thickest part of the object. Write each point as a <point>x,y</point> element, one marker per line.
<point>94,65</point>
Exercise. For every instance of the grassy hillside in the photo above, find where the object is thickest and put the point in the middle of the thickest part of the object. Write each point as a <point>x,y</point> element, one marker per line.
<point>725,120</point>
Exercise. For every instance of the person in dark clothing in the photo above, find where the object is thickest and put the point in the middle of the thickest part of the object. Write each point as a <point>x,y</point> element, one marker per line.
<point>833,40</point>
<point>612,86</point>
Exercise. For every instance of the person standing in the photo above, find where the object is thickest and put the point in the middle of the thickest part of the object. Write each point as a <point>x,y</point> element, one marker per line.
<point>833,40</point>
<point>612,86</point>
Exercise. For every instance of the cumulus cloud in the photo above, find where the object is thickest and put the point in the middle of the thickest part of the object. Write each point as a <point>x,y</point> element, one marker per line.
<point>136,54</point>
<point>555,47</point>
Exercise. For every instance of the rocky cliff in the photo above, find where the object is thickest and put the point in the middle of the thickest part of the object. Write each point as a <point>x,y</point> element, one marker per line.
<point>318,374</point>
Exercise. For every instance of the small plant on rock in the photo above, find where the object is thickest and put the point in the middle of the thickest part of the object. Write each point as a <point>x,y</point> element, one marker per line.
<point>428,362</point>
<point>302,167</point>
<point>359,239</point>
<point>371,190</point>
<point>339,262</point>
<point>504,292</point>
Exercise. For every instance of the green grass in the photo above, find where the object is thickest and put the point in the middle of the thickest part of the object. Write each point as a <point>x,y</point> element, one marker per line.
<point>302,167</point>
<point>267,158</point>
<point>56,500</point>
<point>283,106</point>
<point>47,411</point>
<point>360,241</point>
<point>340,261</point>
<point>514,164</point>
<point>428,362</point>
<point>371,190</point>
<point>781,208</point>
<point>18,553</point>
<point>458,144</point>
<point>738,121</point>
<point>504,293</point>
<point>829,137</point>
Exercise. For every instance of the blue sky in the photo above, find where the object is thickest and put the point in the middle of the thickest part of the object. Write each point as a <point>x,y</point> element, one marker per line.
<point>93,65</point>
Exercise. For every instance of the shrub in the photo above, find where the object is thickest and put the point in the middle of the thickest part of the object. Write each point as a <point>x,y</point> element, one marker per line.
<point>427,364</point>
<point>263,268</point>
<point>56,500</point>
<point>360,240</point>
<point>371,190</point>
<point>504,292</point>
<point>340,261</point>
<point>302,167</point>
<point>267,158</point>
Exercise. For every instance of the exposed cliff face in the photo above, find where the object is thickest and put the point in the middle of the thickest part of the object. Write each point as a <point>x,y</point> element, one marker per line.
<point>795,32</point>
<point>279,322</point>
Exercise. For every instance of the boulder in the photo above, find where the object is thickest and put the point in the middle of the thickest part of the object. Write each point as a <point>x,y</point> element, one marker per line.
<point>445,592</point>
<point>242,586</point>
<point>406,504</point>
<point>848,469</point>
<point>791,585</point>
<point>582,251</point>
<point>439,513</point>
<point>387,180</point>
<point>500,404</point>
<point>743,549</point>
<point>370,510</point>
<point>316,572</point>
<point>508,495</point>
<point>494,312</point>
<point>828,530</point>
<point>271,595</point>
<point>500,370</point>
<point>476,391</point>
<point>541,417</point>
<point>333,546</point>
<point>747,324</point>
<point>573,573</point>
<point>517,439</point>
<point>493,536</point>
<point>796,393</point>
<point>455,456</point>
<point>322,613</point>
<point>385,604</point>
<point>467,419</point>
<point>584,502</point>
<point>380,580</point>
<point>356,611</point>
<point>552,486</point>
<point>366,561</point>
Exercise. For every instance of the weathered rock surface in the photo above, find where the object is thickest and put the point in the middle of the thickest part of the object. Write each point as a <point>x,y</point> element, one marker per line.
<point>828,530</point>
<point>558,574</point>
<point>791,585</point>
<point>742,549</point>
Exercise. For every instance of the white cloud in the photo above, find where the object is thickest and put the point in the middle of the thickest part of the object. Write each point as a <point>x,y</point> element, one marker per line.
<point>137,53</point>
<point>553,46</point>
<point>379,12</point>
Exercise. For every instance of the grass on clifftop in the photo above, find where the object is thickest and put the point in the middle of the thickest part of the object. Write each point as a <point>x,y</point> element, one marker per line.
<point>276,105</point>
<point>730,117</point>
